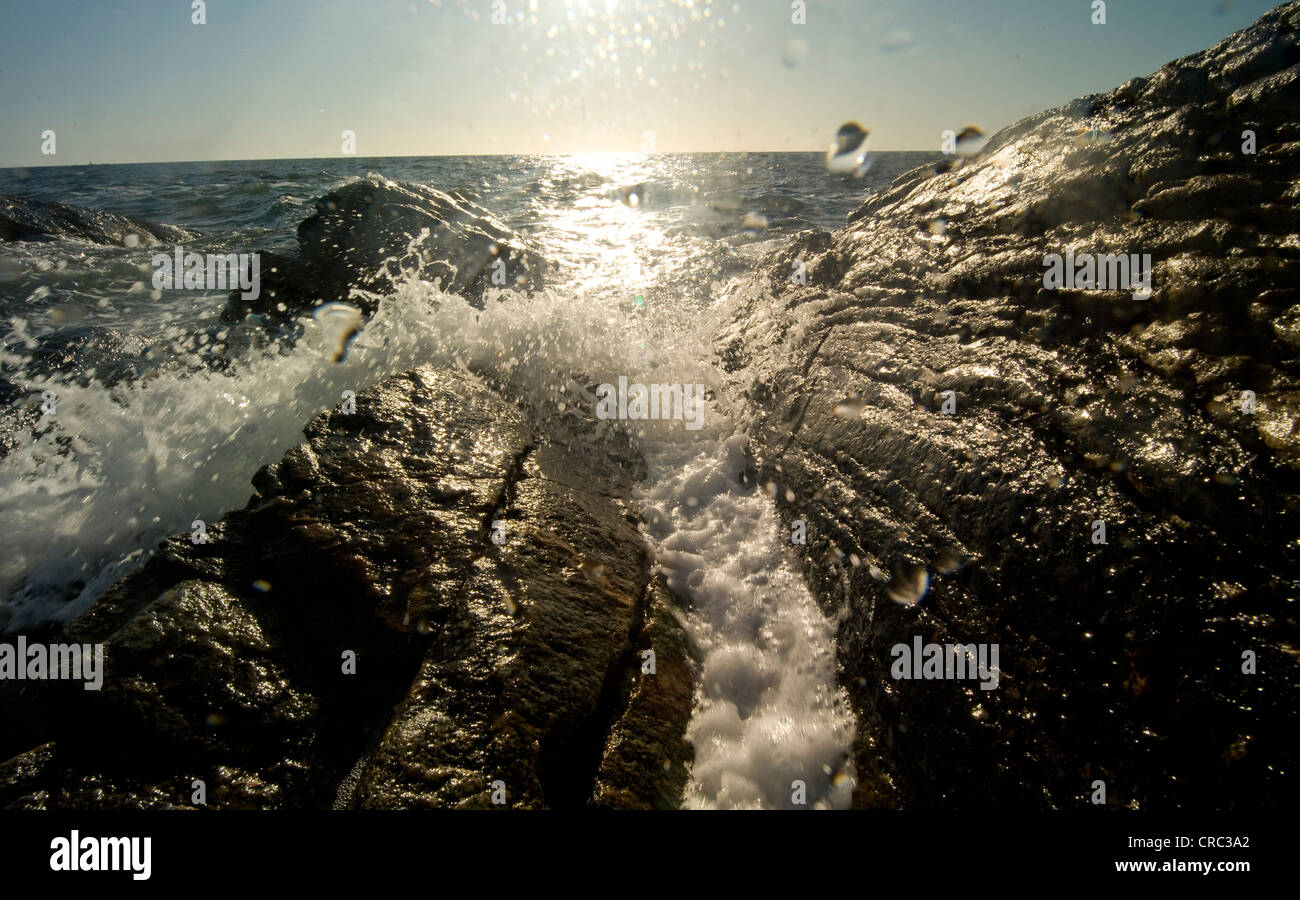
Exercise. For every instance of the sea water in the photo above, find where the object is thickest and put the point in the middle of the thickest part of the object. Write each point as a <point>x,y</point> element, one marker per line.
<point>163,413</point>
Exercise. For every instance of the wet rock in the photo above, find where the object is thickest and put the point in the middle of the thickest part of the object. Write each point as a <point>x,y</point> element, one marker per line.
<point>645,760</point>
<point>366,236</point>
<point>1120,661</point>
<point>28,219</point>
<point>431,594</point>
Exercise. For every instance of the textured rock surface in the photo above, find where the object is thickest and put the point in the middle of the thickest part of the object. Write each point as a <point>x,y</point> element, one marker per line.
<point>26,219</point>
<point>368,233</point>
<point>1120,661</point>
<point>644,766</point>
<point>476,661</point>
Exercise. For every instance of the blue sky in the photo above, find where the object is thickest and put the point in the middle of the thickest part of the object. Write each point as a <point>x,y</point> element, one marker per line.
<point>139,82</point>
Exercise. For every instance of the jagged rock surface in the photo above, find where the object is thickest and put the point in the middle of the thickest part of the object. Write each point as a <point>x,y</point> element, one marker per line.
<point>476,661</point>
<point>1120,661</point>
<point>370,234</point>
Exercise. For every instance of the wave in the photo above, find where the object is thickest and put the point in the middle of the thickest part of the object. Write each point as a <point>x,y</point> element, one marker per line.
<point>117,468</point>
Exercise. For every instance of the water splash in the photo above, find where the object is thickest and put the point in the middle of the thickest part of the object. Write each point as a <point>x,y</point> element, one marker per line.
<point>116,469</point>
<point>87,497</point>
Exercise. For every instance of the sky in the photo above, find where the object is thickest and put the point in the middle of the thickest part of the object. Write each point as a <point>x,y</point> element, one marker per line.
<point>261,79</point>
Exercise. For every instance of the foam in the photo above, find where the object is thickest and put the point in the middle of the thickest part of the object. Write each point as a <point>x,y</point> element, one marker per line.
<point>118,469</point>
<point>768,711</point>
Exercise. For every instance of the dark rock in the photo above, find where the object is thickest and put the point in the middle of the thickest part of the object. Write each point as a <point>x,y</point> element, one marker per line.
<point>644,766</point>
<point>368,235</point>
<point>27,219</point>
<point>1120,661</point>
<point>475,660</point>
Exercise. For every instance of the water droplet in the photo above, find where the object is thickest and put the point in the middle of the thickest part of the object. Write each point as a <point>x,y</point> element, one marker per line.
<point>339,324</point>
<point>11,270</point>
<point>896,40</point>
<point>909,585</point>
<point>633,195</point>
<point>850,407</point>
<point>947,561</point>
<point>1093,133</point>
<point>68,313</point>
<point>849,152</point>
<point>795,52</point>
<point>971,142</point>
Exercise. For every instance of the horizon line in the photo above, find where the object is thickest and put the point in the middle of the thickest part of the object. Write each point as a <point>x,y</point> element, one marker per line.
<point>170,162</point>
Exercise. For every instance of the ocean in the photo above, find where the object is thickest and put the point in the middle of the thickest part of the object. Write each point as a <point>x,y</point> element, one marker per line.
<point>164,413</point>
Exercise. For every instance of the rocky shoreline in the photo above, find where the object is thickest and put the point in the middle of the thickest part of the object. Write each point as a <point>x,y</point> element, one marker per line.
<point>431,594</point>
<point>441,599</point>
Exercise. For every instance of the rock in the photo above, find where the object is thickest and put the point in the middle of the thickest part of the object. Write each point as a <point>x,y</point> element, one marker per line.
<point>28,219</point>
<point>373,543</point>
<point>645,760</point>
<point>368,234</point>
<point>1121,661</point>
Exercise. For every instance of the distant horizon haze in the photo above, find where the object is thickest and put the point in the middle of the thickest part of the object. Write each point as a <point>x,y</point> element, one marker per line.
<point>142,82</point>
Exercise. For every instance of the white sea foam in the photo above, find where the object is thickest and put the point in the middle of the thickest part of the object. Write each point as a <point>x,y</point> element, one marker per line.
<point>115,470</point>
<point>768,712</point>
